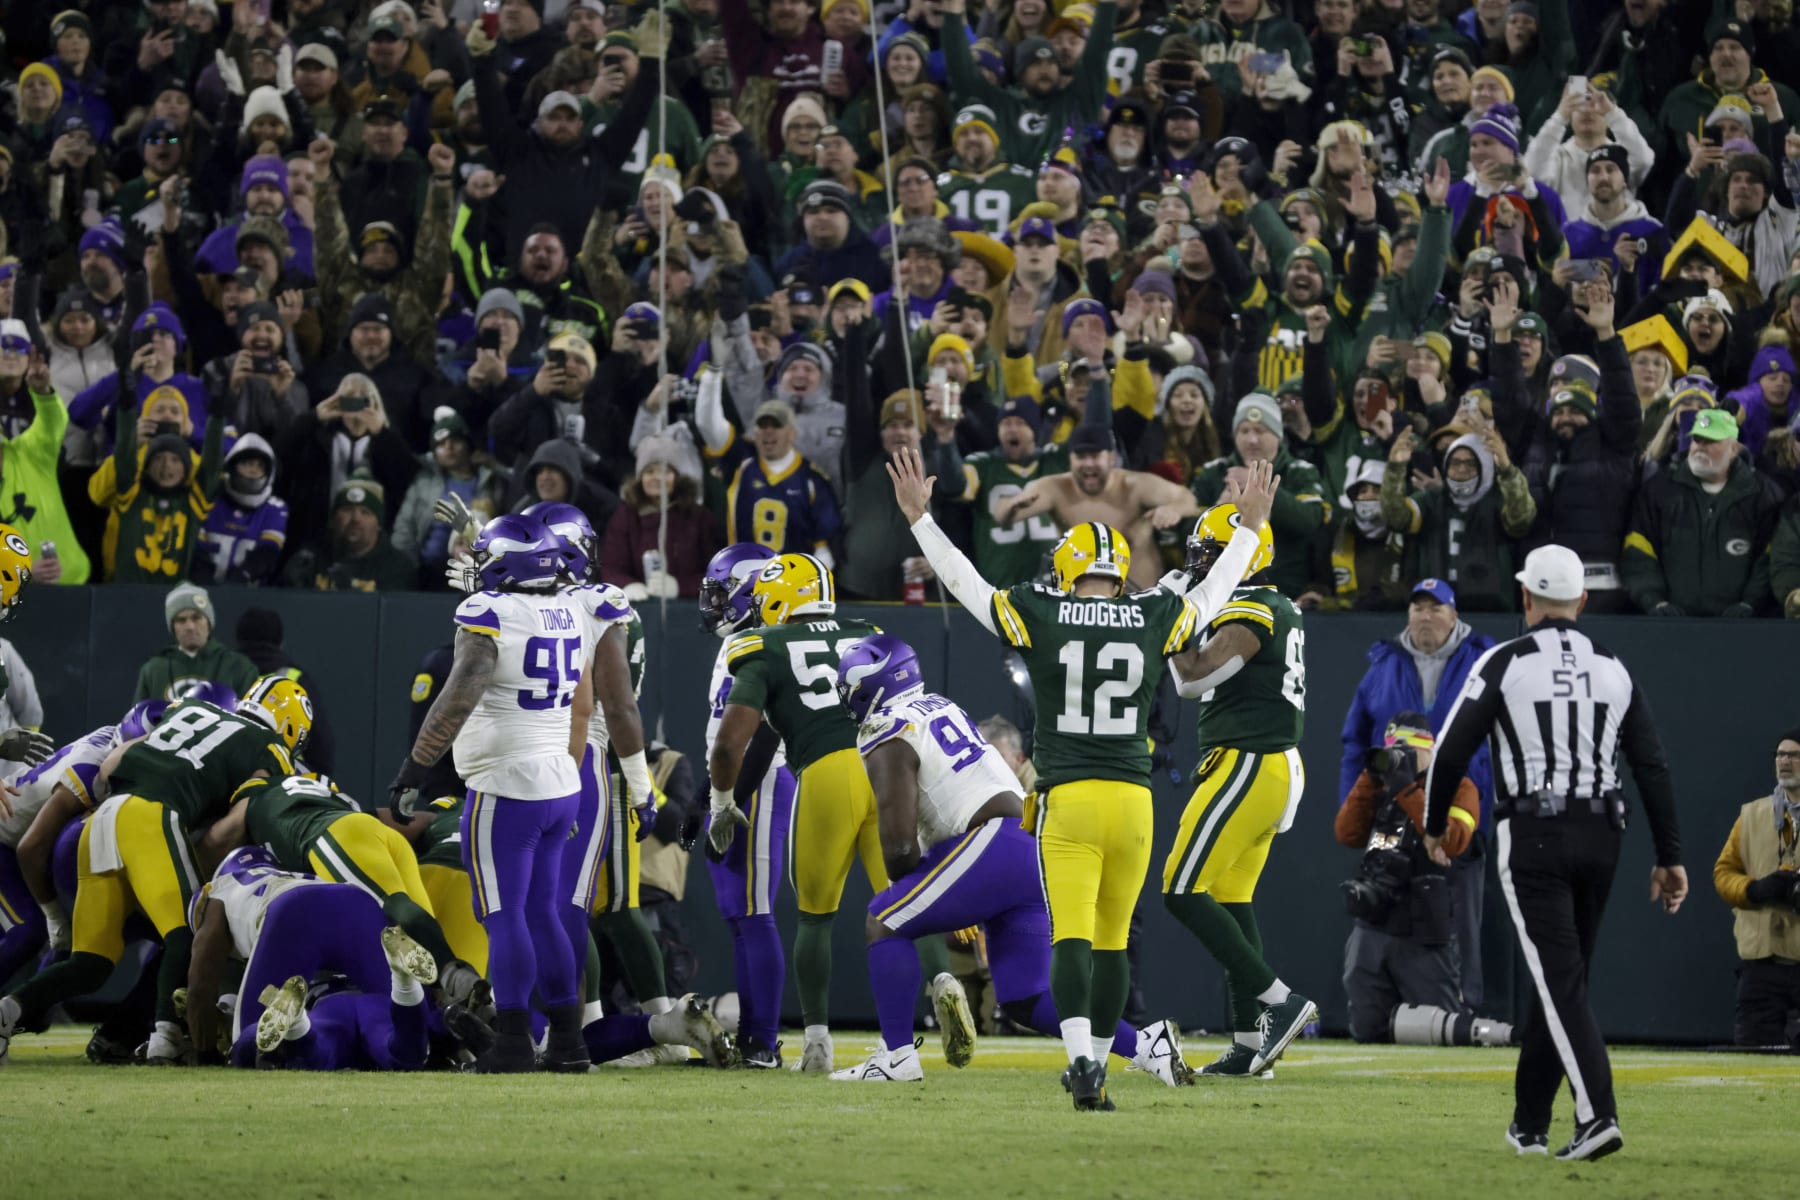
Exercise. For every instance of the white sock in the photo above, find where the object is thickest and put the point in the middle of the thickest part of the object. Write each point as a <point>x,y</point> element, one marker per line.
<point>1277,994</point>
<point>1102,1048</point>
<point>9,1012</point>
<point>592,1011</point>
<point>1253,1039</point>
<point>1078,1037</point>
<point>406,991</point>
<point>658,1004</point>
<point>665,1030</point>
<point>302,1026</point>
<point>818,1033</point>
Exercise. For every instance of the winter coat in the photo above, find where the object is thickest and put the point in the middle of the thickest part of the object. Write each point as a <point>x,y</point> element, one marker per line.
<point>1299,514</point>
<point>412,292</point>
<point>304,479</point>
<point>1583,489</point>
<point>1784,558</point>
<point>692,539</point>
<point>409,392</point>
<point>1552,157</point>
<point>30,497</point>
<point>1474,547</point>
<point>413,524</point>
<point>1702,553</point>
<point>1591,237</point>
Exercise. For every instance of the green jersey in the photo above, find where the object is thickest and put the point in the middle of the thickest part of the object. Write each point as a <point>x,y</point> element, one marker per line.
<point>196,757</point>
<point>441,843</point>
<point>1095,662</point>
<point>1262,708</point>
<point>289,815</point>
<point>789,673</point>
<point>1008,556</point>
<point>990,198</point>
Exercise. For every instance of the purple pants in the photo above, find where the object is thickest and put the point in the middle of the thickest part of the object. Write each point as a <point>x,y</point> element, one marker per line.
<point>584,854</point>
<point>22,930</point>
<point>319,927</point>
<point>745,884</point>
<point>513,850</point>
<point>350,1031</point>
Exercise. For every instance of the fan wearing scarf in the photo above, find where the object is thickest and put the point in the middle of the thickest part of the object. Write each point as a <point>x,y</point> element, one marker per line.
<point>1370,567</point>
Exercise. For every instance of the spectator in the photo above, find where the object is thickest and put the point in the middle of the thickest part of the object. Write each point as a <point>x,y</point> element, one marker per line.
<point>495,362</point>
<point>1742,200</point>
<point>1403,961</point>
<point>390,185</point>
<point>775,62</point>
<point>563,400</point>
<point>259,636</point>
<point>1033,116</point>
<point>451,468</point>
<point>1300,512</point>
<point>879,561</point>
<point>409,390</point>
<point>637,554</point>
<point>256,389</point>
<point>1700,535</point>
<point>264,188</point>
<point>328,101</point>
<point>1612,223</point>
<point>149,359</point>
<point>78,343</point>
<point>1728,71</point>
<point>549,294</point>
<point>1658,359</point>
<point>990,480</point>
<point>834,247</point>
<point>1687,397</point>
<point>1592,121</point>
<point>173,672</point>
<point>1758,874</point>
<point>1466,529</point>
<point>157,491</point>
<point>1369,564</point>
<point>525,45</point>
<point>1423,669</point>
<point>1784,561</point>
<point>246,530</point>
<point>554,474</point>
<point>776,497</point>
<point>358,555</point>
<point>347,434</point>
<point>1767,404</point>
<point>32,424</point>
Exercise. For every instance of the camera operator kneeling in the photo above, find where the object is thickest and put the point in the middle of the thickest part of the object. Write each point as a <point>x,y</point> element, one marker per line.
<point>1401,968</point>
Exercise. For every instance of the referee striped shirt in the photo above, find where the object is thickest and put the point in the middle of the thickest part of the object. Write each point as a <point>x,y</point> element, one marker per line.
<point>1557,709</point>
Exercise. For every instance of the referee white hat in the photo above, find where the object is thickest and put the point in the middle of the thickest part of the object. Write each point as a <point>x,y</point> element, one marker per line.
<point>1553,572</point>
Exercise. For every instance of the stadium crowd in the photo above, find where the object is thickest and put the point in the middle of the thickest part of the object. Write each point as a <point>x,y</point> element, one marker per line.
<point>278,278</point>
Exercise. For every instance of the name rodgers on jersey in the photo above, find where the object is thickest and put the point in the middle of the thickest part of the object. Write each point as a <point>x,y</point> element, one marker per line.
<point>1115,618</point>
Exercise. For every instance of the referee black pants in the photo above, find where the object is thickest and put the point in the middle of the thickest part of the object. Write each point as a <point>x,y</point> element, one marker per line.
<point>1555,873</point>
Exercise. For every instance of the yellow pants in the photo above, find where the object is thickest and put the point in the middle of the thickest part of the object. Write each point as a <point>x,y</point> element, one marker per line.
<point>358,849</point>
<point>157,876</point>
<point>619,870</point>
<point>1229,823</point>
<point>452,895</point>
<point>1093,852</point>
<point>834,822</point>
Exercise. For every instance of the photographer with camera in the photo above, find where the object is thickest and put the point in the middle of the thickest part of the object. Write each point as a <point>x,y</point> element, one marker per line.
<point>1758,874</point>
<point>1402,967</point>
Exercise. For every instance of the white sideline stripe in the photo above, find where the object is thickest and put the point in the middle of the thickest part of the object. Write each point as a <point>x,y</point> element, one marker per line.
<point>1559,1036</point>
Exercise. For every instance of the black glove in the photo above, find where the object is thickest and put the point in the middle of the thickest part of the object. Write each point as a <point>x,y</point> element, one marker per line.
<point>403,793</point>
<point>27,746</point>
<point>667,827</point>
<point>1668,608</point>
<point>1775,888</point>
<point>1740,609</point>
<point>731,301</point>
<point>135,245</point>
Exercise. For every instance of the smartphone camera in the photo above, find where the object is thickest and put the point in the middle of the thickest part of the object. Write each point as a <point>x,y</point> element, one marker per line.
<point>354,402</point>
<point>489,339</point>
<point>557,358</point>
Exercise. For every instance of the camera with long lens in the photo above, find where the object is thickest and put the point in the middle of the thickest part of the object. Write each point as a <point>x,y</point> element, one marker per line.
<point>1386,869</point>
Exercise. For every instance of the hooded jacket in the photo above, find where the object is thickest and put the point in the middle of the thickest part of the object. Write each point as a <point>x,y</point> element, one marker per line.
<point>244,534</point>
<point>819,418</point>
<point>1703,553</point>
<point>1756,416</point>
<point>596,502</point>
<point>1472,543</point>
<point>1583,488</point>
<point>1589,236</point>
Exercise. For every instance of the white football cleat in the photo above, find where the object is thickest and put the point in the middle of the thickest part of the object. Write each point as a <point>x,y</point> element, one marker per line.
<point>9,1025</point>
<point>886,1066</point>
<point>816,1057</point>
<point>169,1046</point>
<point>284,1010</point>
<point>406,957</point>
<point>1159,1054</point>
<point>689,1023</point>
<point>955,1022</point>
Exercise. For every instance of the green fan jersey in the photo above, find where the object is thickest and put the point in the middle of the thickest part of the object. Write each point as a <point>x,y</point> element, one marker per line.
<point>789,673</point>
<point>990,198</point>
<point>1009,556</point>
<point>196,757</point>
<point>1095,662</point>
<point>1262,708</point>
<point>441,843</point>
<point>288,815</point>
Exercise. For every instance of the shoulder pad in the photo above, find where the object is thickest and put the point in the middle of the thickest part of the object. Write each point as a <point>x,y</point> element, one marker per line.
<point>605,601</point>
<point>883,727</point>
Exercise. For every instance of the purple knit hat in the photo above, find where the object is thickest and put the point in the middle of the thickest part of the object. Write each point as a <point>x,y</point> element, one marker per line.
<point>1501,122</point>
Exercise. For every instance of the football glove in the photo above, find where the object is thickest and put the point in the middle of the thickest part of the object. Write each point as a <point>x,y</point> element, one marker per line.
<point>27,746</point>
<point>404,791</point>
<point>727,817</point>
<point>453,512</point>
<point>459,573</point>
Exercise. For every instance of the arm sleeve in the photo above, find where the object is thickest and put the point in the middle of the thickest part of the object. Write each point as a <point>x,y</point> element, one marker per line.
<point>1729,877</point>
<point>1643,750</point>
<point>1357,813</point>
<point>957,572</point>
<point>1465,729</point>
<point>959,65</point>
<point>1540,154</point>
<point>22,693</point>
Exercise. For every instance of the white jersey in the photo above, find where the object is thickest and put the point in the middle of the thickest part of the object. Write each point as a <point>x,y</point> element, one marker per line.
<point>246,895</point>
<point>958,770</point>
<point>515,743</point>
<point>716,694</point>
<point>605,606</point>
<point>76,766</point>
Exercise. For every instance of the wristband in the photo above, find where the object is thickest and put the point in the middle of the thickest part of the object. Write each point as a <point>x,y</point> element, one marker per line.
<point>636,771</point>
<point>722,799</point>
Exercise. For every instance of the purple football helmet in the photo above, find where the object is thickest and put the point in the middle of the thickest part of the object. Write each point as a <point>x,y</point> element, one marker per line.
<point>517,553</point>
<point>725,604</point>
<point>572,526</point>
<point>142,718</point>
<point>876,671</point>
<point>217,694</point>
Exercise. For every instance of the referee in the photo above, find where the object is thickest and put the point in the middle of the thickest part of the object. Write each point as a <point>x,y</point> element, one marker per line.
<point>1558,709</point>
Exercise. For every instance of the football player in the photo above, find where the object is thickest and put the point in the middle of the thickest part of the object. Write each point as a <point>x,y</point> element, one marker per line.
<point>135,852</point>
<point>517,705</point>
<point>785,674</point>
<point>747,841</point>
<point>1084,641</point>
<point>949,811</point>
<point>1250,679</point>
<point>15,571</point>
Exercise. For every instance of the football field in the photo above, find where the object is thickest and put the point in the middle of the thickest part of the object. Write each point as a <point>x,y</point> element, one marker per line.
<point>1337,1120</point>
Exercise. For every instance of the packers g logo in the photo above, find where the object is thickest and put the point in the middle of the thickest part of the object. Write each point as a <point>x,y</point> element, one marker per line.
<point>185,689</point>
<point>17,545</point>
<point>1033,123</point>
<point>1737,547</point>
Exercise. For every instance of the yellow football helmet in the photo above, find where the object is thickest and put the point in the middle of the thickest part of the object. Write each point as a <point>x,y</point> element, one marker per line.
<point>15,570</point>
<point>1213,530</point>
<point>1090,548</point>
<point>283,706</point>
<point>794,585</point>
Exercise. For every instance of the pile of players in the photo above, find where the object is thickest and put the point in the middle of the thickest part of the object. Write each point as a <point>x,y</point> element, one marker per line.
<point>823,745</point>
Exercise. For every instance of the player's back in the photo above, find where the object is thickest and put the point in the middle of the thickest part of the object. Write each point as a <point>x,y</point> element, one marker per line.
<point>286,815</point>
<point>440,843</point>
<point>1095,662</point>
<point>605,607</point>
<point>958,770</point>
<point>196,757</point>
<point>1262,708</point>
<point>76,766</point>
<point>246,894</point>
<point>718,691</point>
<point>789,673</point>
<point>516,740</point>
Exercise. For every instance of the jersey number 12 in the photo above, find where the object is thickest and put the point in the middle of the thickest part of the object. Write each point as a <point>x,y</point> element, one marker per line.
<point>1122,660</point>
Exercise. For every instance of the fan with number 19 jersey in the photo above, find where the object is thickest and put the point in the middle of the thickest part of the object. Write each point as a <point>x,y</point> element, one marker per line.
<point>1095,662</point>
<point>789,672</point>
<point>508,746</point>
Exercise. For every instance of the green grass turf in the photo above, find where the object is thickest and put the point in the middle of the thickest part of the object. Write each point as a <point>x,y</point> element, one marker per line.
<point>1338,1120</point>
